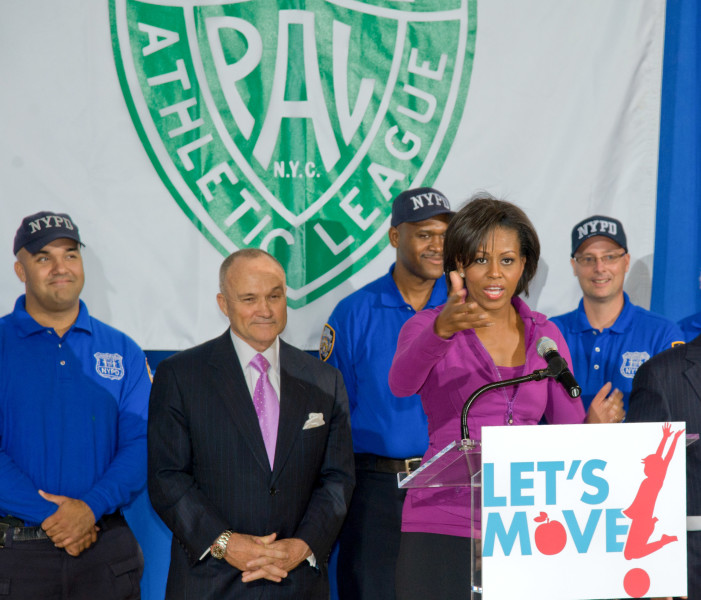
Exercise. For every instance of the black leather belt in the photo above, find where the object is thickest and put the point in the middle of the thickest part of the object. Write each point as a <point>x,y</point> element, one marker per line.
<point>382,464</point>
<point>32,534</point>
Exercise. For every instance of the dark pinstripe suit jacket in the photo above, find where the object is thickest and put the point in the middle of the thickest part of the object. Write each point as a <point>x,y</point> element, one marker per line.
<point>668,388</point>
<point>209,471</point>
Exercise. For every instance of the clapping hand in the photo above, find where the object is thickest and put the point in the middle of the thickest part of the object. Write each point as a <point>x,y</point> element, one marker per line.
<point>606,408</point>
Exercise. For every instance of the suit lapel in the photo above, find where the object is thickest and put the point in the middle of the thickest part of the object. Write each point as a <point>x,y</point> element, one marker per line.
<point>232,391</point>
<point>293,391</point>
<point>693,371</point>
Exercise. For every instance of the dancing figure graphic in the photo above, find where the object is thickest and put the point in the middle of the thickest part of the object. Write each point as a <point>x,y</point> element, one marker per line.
<point>641,511</point>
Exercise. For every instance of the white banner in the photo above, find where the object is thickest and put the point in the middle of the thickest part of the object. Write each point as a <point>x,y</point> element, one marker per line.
<point>166,166</point>
<point>587,511</point>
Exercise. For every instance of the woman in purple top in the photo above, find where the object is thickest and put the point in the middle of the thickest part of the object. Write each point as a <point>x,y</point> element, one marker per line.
<point>484,333</point>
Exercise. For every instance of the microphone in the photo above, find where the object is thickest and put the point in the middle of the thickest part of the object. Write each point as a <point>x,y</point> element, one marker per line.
<point>557,366</point>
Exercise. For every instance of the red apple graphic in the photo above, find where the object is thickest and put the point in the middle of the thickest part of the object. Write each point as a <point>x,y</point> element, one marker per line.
<point>550,537</point>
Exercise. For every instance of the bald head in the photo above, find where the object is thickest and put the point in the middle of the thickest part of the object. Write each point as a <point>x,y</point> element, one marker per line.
<point>245,253</point>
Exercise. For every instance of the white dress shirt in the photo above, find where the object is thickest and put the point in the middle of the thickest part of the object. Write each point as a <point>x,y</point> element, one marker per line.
<point>246,354</point>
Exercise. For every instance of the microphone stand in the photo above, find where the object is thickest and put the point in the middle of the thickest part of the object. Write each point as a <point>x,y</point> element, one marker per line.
<point>535,376</point>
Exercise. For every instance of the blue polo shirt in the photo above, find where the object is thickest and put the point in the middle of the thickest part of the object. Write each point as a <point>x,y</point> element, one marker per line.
<point>72,415</point>
<point>615,353</point>
<point>366,326</point>
<point>691,326</point>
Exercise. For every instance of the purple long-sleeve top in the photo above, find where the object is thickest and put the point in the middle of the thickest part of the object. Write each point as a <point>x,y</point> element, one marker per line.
<point>445,373</point>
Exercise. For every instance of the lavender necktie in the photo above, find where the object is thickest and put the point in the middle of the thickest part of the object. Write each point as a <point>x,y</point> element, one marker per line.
<point>267,405</point>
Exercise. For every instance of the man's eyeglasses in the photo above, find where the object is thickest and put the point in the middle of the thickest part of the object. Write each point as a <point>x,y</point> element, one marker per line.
<point>587,260</point>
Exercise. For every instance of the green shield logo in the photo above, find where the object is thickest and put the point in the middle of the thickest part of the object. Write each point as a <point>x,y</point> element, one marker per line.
<point>290,126</point>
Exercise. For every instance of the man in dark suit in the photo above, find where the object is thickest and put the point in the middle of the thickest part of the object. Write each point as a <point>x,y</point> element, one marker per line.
<point>668,388</point>
<point>250,453</point>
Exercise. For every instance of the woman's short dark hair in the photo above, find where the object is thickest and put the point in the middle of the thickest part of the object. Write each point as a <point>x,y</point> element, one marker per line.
<point>472,225</point>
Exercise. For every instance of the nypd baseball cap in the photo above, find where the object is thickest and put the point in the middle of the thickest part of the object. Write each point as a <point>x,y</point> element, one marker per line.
<point>42,228</point>
<point>418,205</point>
<point>598,225</point>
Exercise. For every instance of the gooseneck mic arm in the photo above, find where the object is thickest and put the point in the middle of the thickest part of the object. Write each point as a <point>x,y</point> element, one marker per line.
<point>557,369</point>
<point>535,376</point>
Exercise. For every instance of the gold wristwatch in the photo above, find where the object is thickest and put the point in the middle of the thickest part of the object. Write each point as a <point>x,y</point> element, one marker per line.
<point>219,546</point>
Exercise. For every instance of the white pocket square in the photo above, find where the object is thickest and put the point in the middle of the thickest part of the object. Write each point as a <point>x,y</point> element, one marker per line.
<point>314,420</point>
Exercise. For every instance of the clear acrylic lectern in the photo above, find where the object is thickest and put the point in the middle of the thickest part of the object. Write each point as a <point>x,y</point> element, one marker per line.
<point>459,464</point>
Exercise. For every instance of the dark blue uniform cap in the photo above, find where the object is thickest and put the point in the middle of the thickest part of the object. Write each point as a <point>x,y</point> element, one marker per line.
<point>44,227</point>
<point>598,225</point>
<point>419,204</point>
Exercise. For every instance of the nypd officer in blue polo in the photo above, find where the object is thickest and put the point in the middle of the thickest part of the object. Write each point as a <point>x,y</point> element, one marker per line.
<point>390,434</point>
<point>73,407</point>
<point>608,336</point>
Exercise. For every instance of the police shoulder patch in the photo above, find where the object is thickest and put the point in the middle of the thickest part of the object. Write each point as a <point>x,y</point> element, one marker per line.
<point>148,370</point>
<point>328,338</point>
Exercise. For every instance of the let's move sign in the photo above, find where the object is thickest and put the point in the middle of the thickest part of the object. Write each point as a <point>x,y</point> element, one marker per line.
<point>584,511</point>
